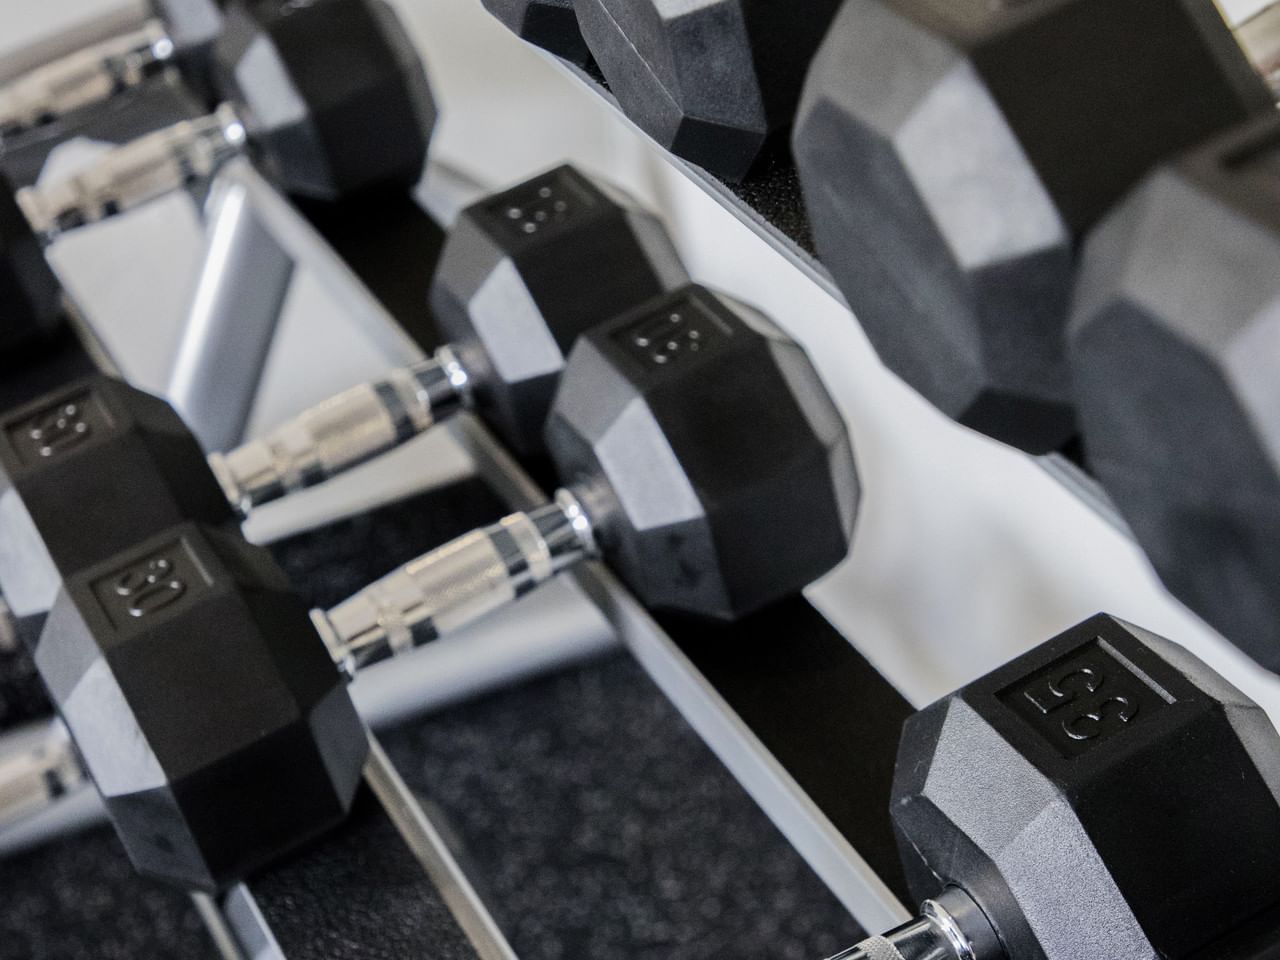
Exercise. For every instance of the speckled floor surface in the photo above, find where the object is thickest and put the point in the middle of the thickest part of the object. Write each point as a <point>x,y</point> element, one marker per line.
<point>590,817</point>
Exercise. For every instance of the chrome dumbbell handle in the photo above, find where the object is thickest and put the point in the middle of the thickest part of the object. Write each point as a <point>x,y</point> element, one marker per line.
<point>83,78</point>
<point>135,173</point>
<point>343,432</point>
<point>949,927</point>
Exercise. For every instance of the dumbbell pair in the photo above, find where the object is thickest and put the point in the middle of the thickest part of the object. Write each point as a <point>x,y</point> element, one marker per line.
<point>708,531</point>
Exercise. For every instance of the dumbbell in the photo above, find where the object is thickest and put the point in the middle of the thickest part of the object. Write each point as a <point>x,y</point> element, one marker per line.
<point>953,158</point>
<point>714,82</point>
<point>511,290</point>
<point>1176,319</point>
<point>709,466</point>
<point>329,98</point>
<point>1104,795</point>
<point>550,24</point>
<point>700,455</point>
<point>181,33</point>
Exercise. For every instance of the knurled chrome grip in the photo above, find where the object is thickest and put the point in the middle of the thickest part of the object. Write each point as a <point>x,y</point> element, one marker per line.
<point>83,78</point>
<point>341,433</point>
<point>135,173</point>
<point>443,590</point>
<point>877,948</point>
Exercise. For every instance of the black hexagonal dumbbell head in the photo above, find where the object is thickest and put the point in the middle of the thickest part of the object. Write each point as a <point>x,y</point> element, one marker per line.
<point>1175,327</point>
<point>180,34</point>
<point>550,24</point>
<point>711,81</point>
<point>525,272</point>
<point>718,472</point>
<point>29,292</point>
<point>1106,794</point>
<point>333,94</point>
<point>953,156</point>
<point>86,471</point>
<point>210,717</point>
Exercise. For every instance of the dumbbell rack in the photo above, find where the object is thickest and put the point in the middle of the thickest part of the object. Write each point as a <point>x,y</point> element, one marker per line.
<point>729,688</point>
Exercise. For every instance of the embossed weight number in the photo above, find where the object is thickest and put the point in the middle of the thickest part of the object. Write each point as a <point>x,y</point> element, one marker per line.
<point>1094,709</point>
<point>149,588</point>
<point>59,429</point>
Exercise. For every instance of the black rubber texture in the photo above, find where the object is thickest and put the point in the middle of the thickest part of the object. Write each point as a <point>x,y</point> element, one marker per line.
<point>770,193</point>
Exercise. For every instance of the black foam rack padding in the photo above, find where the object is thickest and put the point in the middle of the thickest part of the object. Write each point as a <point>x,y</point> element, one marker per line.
<point>79,899</point>
<point>771,190</point>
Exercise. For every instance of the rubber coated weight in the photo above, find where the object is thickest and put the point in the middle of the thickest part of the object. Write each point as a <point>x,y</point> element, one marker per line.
<point>550,24</point>
<point>333,94</point>
<point>717,471</point>
<point>953,157</point>
<point>1106,794</point>
<point>86,471</point>
<point>193,26</point>
<point>209,715</point>
<point>1171,345</point>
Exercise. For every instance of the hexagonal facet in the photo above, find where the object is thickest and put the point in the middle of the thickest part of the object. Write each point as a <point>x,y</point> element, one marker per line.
<point>711,80</point>
<point>550,24</point>
<point>526,272</point>
<point>718,473</point>
<point>208,712</point>
<point>29,291</point>
<point>952,157</point>
<point>333,94</point>
<point>86,471</point>
<point>193,26</point>
<point>1106,794</point>
<point>1171,345</point>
